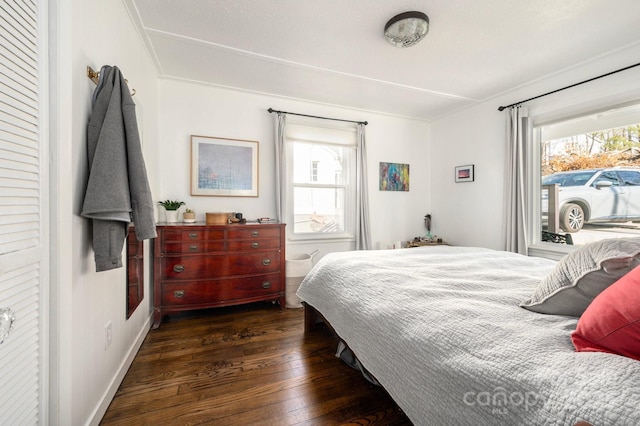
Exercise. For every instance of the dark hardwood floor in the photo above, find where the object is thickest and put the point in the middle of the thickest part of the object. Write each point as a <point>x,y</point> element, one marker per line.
<point>246,365</point>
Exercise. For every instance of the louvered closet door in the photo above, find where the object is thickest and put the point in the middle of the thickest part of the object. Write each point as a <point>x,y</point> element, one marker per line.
<point>22,255</point>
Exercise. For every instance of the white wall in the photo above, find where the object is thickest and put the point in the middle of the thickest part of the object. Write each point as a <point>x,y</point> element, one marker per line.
<point>471,213</point>
<point>86,375</point>
<point>194,109</point>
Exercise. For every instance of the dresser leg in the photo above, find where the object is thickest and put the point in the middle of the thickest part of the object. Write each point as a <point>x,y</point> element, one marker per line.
<point>282,301</point>
<point>157,318</point>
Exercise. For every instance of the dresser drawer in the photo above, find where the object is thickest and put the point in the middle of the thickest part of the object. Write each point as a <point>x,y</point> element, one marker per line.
<point>191,247</point>
<point>219,265</point>
<point>193,267</point>
<point>253,244</point>
<point>194,234</point>
<point>219,291</point>
<point>251,232</point>
<point>254,263</point>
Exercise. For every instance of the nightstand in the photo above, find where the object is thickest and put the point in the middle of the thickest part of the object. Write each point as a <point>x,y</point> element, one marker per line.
<point>425,243</point>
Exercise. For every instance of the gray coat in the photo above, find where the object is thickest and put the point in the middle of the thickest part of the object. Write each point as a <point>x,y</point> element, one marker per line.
<point>118,189</point>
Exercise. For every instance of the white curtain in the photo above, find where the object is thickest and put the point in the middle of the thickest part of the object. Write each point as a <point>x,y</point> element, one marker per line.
<point>363,232</point>
<point>281,167</point>
<point>518,136</point>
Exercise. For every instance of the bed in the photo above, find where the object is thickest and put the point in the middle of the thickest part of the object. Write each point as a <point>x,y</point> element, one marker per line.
<point>446,332</point>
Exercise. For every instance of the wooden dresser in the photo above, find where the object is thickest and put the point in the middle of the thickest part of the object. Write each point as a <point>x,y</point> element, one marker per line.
<point>201,266</point>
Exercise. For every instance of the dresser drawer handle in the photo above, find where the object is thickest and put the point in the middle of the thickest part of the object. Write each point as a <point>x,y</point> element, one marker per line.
<point>266,262</point>
<point>193,235</point>
<point>178,294</point>
<point>255,233</point>
<point>255,245</point>
<point>178,268</point>
<point>266,284</point>
<point>193,247</point>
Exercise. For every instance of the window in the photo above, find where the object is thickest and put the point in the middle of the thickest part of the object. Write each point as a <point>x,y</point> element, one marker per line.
<point>590,176</point>
<point>321,182</point>
<point>629,177</point>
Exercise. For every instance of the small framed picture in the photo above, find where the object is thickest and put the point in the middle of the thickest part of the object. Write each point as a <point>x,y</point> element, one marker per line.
<point>464,173</point>
<point>224,167</point>
<point>394,177</point>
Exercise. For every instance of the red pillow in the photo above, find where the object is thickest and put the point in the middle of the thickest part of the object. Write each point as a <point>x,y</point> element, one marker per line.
<point>611,323</point>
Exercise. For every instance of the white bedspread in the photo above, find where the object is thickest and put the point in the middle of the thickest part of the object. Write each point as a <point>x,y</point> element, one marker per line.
<point>441,330</point>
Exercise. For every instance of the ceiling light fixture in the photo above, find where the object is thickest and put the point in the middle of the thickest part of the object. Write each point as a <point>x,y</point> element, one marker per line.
<point>406,29</point>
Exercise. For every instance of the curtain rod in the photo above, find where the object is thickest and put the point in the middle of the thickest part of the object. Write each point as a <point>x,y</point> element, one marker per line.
<point>315,116</point>
<point>502,108</point>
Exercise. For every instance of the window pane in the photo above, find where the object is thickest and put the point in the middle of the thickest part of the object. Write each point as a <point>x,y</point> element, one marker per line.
<point>630,177</point>
<point>315,163</point>
<point>321,175</point>
<point>608,177</point>
<point>568,179</point>
<point>596,174</point>
<point>319,210</point>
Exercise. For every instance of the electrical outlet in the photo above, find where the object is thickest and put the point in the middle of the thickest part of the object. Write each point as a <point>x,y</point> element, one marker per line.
<point>108,335</point>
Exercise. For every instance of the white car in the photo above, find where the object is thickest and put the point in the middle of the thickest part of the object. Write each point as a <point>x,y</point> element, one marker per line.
<point>595,195</point>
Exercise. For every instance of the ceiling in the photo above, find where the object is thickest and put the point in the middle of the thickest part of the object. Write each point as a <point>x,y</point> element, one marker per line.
<point>334,52</point>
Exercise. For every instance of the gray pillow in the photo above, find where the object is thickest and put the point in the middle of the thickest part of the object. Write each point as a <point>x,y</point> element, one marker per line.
<point>583,274</point>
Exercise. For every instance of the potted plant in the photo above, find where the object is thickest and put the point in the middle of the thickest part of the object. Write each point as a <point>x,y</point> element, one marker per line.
<point>189,216</point>
<point>171,209</point>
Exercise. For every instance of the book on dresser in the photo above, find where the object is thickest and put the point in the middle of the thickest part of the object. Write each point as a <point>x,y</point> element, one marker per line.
<point>200,266</point>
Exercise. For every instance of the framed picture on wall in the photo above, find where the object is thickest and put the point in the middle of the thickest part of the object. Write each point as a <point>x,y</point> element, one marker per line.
<point>224,167</point>
<point>464,173</point>
<point>394,177</point>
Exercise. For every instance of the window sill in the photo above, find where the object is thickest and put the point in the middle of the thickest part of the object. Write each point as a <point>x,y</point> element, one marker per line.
<point>317,239</point>
<point>321,236</point>
<point>550,250</point>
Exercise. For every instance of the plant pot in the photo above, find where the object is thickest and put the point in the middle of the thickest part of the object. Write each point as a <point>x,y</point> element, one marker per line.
<point>189,217</point>
<point>171,215</point>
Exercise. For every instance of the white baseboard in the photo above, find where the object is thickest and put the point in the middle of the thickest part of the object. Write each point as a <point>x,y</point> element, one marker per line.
<point>101,409</point>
